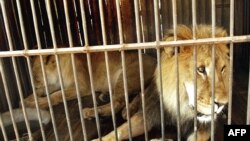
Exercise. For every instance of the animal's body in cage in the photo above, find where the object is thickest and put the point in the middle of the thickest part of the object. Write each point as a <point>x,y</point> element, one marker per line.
<point>185,75</point>
<point>99,76</point>
<point>87,69</point>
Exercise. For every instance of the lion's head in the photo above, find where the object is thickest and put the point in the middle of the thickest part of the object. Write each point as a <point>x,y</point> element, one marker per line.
<point>203,70</point>
<point>49,65</point>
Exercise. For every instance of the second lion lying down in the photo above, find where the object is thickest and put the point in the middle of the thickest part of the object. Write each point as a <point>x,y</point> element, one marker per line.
<point>99,78</point>
<point>186,87</point>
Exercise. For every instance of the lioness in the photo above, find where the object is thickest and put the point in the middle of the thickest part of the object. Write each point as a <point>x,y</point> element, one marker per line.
<point>186,87</point>
<point>99,78</point>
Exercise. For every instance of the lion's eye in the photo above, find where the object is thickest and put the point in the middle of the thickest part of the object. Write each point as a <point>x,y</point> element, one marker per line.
<point>201,70</point>
<point>223,69</point>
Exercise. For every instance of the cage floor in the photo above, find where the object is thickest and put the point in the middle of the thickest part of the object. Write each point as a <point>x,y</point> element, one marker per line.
<point>238,117</point>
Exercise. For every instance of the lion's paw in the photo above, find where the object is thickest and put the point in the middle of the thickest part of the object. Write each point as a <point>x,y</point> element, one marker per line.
<point>106,138</point>
<point>88,113</point>
<point>30,102</point>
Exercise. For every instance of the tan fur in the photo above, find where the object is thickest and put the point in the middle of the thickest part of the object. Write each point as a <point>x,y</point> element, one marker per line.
<point>99,78</point>
<point>186,81</point>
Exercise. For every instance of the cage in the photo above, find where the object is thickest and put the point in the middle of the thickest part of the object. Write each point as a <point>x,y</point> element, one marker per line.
<point>37,28</point>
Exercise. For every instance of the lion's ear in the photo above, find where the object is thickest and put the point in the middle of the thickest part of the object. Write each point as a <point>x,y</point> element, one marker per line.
<point>182,33</point>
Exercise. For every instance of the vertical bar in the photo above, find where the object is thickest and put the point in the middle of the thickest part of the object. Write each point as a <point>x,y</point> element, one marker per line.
<point>8,99</point>
<point>85,31</point>
<point>157,24</point>
<point>157,36</point>
<point>1,120</point>
<point>6,24</point>
<point>194,22</point>
<point>43,72</point>
<point>18,83</point>
<point>93,95</point>
<point>84,24</point>
<point>138,35</point>
<point>248,99</point>
<point>177,69</point>
<point>231,63</point>
<point>104,38</point>
<point>213,70</point>
<point>66,12</point>
<point>29,67</point>
<point>78,24</point>
<point>124,70</point>
<point>58,67</point>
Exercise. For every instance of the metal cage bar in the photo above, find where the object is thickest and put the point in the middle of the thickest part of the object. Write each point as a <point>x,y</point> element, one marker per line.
<point>84,25</point>
<point>48,8</point>
<point>6,24</point>
<point>138,36</point>
<point>229,120</point>
<point>129,46</point>
<point>124,74</point>
<point>85,32</point>
<point>248,99</point>
<point>105,48</point>
<point>3,129</point>
<point>177,70</point>
<point>213,69</point>
<point>158,53</point>
<point>6,92</point>
<point>9,103</point>
<point>194,25</point>
<point>43,69</point>
<point>104,38</point>
<point>74,69</point>
<point>29,67</point>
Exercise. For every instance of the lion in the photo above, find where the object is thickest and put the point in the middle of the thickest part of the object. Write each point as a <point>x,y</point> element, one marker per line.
<point>186,87</point>
<point>99,78</point>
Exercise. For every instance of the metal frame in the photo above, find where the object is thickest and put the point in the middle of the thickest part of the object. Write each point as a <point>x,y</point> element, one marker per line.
<point>105,48</point>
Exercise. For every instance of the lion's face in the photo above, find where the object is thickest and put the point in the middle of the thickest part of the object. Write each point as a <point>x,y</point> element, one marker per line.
<point>49,68</point>
<point>204,74</point>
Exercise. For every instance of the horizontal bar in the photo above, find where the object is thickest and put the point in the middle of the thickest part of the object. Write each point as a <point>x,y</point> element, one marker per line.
<point>132,46</point>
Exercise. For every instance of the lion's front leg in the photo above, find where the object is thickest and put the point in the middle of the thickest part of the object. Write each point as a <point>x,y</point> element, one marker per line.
<point>202,135</point>
<point>31,102</point>
<point>137,128</point>
<point>55,98</point>
<point>104,110</point>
